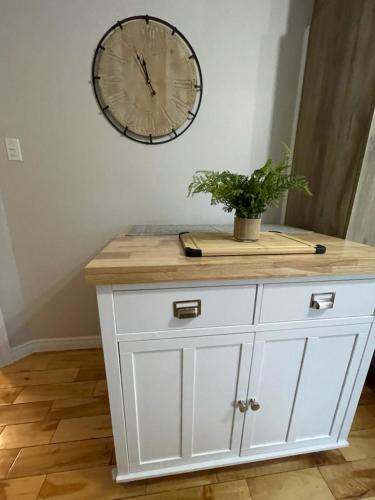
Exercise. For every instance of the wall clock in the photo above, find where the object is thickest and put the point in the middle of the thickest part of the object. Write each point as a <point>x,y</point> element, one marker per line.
<point>147,79</point>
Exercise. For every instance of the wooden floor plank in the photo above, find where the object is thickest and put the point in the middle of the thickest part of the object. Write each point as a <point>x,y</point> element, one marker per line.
<point>36,361</point>
<point>181,481</point>
<point>50,392</point>
<point>362,445</point>
<point>296,485</point>
<point>329,457</point>
<point>90,484</point>
<point>92,373</point>
<point>351,480</point>
<point>85,358</point>
<point>77,407</point>
<point>77,429</point>
<point>62,457</point>
<point>38,377</point>
<point>364,418</point>
<point>24,413</point>
<point>31,434</point>
<point>266,467</point>
<point>7,457</point>
<point>233,490</point>
<point>26,488</point>
<point>8,395</point>
<point>101,388</point>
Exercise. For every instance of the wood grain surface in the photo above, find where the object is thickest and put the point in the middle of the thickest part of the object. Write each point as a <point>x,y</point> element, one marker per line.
<point>152,259</point>
<point>337,104</point>
<point>271,243</point>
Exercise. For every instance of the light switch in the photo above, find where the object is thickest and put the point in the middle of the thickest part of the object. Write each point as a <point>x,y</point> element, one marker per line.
<point>13,149</point>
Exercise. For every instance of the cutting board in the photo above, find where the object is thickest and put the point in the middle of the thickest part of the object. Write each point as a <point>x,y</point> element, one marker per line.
<point>205,244</point>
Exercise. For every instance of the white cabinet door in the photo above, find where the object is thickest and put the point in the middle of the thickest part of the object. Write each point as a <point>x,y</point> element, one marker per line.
<point>180,398</point>
<point>302,380</point>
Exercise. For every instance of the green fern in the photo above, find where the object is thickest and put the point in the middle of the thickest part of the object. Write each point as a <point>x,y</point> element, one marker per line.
<point>249,195</point>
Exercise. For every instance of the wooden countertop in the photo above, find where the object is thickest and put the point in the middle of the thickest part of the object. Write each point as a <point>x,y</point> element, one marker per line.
<point>153,259</point>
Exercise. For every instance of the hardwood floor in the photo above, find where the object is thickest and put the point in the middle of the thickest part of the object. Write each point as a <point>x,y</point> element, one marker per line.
<point>55,443</point>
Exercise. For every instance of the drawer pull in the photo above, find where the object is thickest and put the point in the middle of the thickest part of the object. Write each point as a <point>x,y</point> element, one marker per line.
<point>185,309</point>
<point>322,300</point>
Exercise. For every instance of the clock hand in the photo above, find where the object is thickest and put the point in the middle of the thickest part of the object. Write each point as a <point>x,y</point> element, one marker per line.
<point>145,73</point>
<point>141,66</point>
<point>144,65</point>
<point>148,81</point>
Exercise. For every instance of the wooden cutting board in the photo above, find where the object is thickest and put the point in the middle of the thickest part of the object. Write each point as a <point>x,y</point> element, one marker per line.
<point>204,244</point>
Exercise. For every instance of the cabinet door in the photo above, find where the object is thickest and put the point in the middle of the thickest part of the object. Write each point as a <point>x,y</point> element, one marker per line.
<point>302,380</point>
<point>180,398</point>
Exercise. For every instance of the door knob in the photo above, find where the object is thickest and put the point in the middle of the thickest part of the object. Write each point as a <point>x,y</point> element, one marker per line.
<point>254,405</point>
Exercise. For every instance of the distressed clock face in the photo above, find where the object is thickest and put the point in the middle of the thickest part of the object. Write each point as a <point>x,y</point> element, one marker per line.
<point>147,79</point>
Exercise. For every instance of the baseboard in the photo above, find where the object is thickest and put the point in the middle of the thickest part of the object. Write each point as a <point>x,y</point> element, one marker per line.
<point>22,350</point>
<point>224,462</point>
<point>55,344</point>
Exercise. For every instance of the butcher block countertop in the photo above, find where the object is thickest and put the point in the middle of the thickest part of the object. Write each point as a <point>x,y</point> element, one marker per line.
<point>132,259</point>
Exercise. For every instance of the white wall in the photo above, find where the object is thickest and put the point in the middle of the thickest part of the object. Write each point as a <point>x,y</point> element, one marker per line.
<point>80,182</point>
<point>11,300</point>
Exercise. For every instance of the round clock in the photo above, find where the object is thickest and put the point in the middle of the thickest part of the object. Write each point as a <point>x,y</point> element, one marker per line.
<point>147,79</point>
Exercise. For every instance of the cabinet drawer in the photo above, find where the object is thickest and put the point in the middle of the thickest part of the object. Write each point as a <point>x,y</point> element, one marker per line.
<point>317,300</point>
<point>183,308</point>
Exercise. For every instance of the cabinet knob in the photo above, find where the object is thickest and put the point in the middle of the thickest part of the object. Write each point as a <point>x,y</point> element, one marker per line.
<point>185,309</point>
<point>243,406</point>
<point>254,405</point>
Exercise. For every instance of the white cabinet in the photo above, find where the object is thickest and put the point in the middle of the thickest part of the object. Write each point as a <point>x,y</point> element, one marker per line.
<point>175,380</point>
<point>180,398</point>
<point>302,380</point>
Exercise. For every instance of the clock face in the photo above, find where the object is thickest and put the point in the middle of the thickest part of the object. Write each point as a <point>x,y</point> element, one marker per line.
<point>147,79</point>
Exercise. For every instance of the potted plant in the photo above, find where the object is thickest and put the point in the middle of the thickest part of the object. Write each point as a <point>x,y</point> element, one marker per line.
<point>249,196</point>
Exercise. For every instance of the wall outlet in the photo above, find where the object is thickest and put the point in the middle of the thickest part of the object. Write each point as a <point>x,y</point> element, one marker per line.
<point>13,149</point>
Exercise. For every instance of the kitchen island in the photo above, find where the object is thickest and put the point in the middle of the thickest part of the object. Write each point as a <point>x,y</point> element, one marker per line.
<point>215,361</point>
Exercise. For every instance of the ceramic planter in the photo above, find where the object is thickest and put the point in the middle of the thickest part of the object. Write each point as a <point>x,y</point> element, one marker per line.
<point>247,229</point>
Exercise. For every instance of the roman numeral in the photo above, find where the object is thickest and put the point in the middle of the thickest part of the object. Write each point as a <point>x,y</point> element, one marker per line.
<point>130,116</point>
<point>180,104</point>
<point>125,43</point>
<point>116,57</point>
<point>183,84</point>
<point>166,115</point>
<point>151,125</point>
<point>149,35</point>
<point>111,79</point>
<point>117,96</point>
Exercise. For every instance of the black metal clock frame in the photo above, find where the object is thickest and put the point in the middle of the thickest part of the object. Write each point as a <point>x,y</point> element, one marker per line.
<point>125,131</point>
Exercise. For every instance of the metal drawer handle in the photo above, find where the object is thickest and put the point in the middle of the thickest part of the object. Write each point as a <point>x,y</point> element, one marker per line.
<point>185,309</point>
<point>322,300</point>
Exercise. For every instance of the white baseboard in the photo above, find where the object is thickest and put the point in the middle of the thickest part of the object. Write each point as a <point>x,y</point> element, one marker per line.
<point>55,344</point>
<point>20,351</point>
